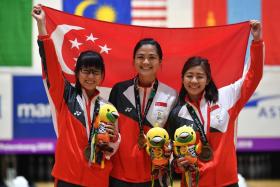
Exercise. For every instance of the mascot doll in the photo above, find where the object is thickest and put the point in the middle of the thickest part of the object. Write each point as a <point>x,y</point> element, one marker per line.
<point>185,145</point>
<point>100,138</point>
<point>157,147</point>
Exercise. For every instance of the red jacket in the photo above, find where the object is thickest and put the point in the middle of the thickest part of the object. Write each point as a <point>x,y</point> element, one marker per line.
<point>132,164</point>
<point>72,117</point>
<point>220,121</point>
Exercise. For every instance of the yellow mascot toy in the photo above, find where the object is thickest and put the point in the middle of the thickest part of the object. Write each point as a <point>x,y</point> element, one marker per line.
<point>157,147</point>
<point>100,138</point>
<point>184,145</point>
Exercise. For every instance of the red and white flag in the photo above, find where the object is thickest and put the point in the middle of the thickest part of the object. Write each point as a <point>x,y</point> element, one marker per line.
<point>224,46</point>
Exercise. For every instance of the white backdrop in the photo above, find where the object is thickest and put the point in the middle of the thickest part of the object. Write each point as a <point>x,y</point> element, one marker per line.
<point>6,131</point>
<point>263,119</point>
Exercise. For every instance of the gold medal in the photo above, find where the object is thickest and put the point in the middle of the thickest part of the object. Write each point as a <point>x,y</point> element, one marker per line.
<point>87,152</point>
<point>141,141</point>
<point>206,153</point>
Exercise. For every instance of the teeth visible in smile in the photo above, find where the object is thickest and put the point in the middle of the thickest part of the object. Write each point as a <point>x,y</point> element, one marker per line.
<point>193,87</point>
<point>147,68</point>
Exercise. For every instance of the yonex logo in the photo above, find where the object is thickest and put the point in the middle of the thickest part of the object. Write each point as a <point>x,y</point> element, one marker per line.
<point>128,109</point>
<point>77,113</point>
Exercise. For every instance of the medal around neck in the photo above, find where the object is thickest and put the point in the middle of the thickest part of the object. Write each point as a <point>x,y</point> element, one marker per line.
<point>87,152</point>
<point>141,141</point>
<point>206,153</point>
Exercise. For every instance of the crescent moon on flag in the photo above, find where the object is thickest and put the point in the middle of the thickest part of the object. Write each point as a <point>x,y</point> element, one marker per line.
<point>82,6</point>
<point>58,37</point>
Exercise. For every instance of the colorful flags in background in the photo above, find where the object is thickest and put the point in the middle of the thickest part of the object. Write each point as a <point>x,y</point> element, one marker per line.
<point>193,13</point>
<point>15,20</point>
<point>115,42</point>
<point>210,12</point>
<point>135,12</point>
<point>15,33</point>
<point>149,13</point>
<point>105,10</point>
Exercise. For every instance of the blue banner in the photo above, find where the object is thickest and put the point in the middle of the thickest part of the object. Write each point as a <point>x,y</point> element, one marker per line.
<point>31,109</point>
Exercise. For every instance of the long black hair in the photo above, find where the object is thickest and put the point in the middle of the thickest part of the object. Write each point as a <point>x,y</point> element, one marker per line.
<point>211,91</point>
<point>88,59</point>
<point>149,41</point>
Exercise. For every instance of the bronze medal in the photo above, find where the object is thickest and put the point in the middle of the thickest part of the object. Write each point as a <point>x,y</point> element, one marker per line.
<point>141,141</point>
<point>87,152</point>
<point>206,153</point>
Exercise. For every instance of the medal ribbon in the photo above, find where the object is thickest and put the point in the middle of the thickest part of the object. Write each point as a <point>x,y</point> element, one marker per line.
<point>207,153</point>
<point>138,105</point>
<point>95,113</point>
<point>198,124</point>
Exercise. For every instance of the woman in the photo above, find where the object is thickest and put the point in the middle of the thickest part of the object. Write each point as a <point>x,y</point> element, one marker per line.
<point>215,110</point>
<point>76,108</point>
<point>141,101</point>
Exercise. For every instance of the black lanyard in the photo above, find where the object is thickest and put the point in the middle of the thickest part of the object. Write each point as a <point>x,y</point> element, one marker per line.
<point>95,113</point>
<point>198,124</point>
<point>138,105</point>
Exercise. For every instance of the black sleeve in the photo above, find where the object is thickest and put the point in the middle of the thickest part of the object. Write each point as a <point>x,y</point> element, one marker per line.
<point>172,123</point>
<point>41,51</point>
<point>114,94</point>
<point>43,60</point>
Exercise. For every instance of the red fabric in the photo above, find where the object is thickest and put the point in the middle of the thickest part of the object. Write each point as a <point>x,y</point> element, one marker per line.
<point>222,45</point>
<point>210,12</point>
<point>129,152</point>
<point>130,163</point>
<point>271,36</point>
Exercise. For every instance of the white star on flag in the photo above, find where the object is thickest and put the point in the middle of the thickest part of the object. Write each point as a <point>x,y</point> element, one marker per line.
<point>75,43</point>
<point>104,49</point>
<point>91,38</point>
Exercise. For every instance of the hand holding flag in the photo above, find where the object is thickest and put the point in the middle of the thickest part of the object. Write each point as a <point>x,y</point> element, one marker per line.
<point>40,17</point>
<point>224,46</point>
<point>256,30</point>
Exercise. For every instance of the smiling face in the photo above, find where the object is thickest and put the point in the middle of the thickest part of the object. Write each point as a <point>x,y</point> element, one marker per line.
<point>89,72</point>
<point>89,78</point>
<point>195,81</point>
<point>147,63</point>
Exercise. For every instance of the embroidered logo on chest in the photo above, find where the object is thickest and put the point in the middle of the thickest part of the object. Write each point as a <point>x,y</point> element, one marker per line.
<point>128,109</point>
<point>77,113</point>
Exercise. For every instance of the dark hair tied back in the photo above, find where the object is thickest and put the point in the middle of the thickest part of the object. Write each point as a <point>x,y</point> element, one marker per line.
<point>148,41</point>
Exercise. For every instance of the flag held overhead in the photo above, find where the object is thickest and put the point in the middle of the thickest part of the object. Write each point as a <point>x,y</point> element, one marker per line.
<point>224,46</point>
